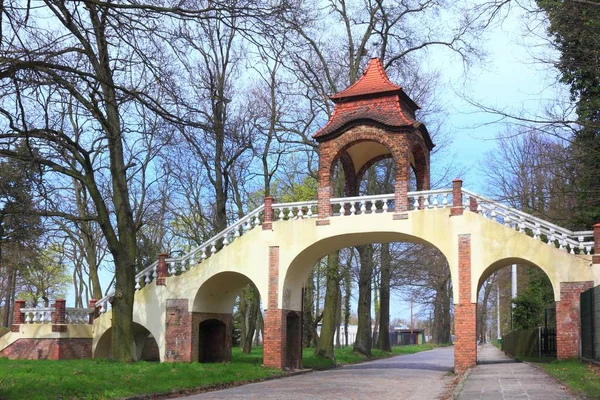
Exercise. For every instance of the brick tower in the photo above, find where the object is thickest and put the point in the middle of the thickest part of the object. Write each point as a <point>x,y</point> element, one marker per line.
<point>373,120</point>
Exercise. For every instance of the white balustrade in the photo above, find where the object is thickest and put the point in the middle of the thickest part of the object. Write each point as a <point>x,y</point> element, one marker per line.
<point>574,242</point>
<point>43,315</point>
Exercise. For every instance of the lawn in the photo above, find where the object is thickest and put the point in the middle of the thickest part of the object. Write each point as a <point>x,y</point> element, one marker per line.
<point>581,378</point>
<point>103,379</point>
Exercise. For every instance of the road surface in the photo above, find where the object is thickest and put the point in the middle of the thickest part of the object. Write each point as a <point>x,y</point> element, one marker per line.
<point>421,376</point>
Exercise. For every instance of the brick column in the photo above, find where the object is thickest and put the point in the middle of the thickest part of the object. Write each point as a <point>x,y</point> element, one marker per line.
<point>59,314</point>
<point>473,204</point>
<point>596,256</point>
<point>18,317</point>
<point>268,222</point>
<point>457,208</point>
<point>274,341</point>
<point>274,324</point>
<point>161,270</point>
<point>401,199</point>
<point>324,190</point>
<point>465,312</point>
<point>178,331</point>
<point>568,319</point>
<point>94,314</point>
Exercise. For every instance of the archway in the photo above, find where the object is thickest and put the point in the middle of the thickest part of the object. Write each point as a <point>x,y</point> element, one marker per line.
<point>300,269</point>
<point>212,341</point>
<point>145,345</point>
<point>212,316</point>
<point>293,351</point>
<point>519,295</point>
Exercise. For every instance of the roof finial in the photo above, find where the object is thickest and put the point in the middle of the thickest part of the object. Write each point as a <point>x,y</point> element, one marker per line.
<point>375,50</point>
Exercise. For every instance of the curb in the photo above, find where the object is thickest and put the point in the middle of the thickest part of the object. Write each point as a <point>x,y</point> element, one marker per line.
<point>460,385</point>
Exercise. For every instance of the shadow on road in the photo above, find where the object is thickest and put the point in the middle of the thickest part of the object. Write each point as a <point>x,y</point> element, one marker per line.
<point>415,366</point>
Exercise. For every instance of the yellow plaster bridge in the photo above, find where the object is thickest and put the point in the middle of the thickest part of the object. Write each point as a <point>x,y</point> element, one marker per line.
<point>185,304</point>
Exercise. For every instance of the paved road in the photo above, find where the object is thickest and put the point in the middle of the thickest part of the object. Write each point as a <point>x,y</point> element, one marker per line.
<point>498,377</point>
<point>420,376</point>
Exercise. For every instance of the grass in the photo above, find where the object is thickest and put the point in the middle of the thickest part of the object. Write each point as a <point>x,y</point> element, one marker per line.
<point>582,378</point>
<point>102,379</point>
<point>346,356</point>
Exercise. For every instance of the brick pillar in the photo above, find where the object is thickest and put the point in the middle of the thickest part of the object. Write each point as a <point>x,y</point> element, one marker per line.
<point>324,190</point>
<point>94,314</point>
<point>465,312</point>
<point>162,270</point>
<point>568,319</point>
<point>596,256</point>
<point>178,331</point>
<point>59,314</point>
<point>274,341</point>
<point>473,204</point>
<point>274,324</point>
<point>18,317</point>
<point>457,208</point>
<point>268,222</point>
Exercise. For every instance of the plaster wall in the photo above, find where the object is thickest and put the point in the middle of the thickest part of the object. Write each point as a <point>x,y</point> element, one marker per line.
<point>212,286</point>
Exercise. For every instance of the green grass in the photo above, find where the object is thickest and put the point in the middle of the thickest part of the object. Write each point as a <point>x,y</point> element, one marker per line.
<point>578,376</point>
<point>103,379</point>
<point>346,356</point>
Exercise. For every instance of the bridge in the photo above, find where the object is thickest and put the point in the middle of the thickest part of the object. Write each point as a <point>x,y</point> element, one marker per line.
<point>183,305</point>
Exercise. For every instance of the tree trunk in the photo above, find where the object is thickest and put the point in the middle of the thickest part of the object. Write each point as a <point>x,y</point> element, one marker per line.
<point>347,294</point>
<point>384,300</point>
<point>307,318</point>
<point>363,340</point>
<point>441,314</point>
<point>325,343</point>
<point>9,297</point>
<point>252,315</point>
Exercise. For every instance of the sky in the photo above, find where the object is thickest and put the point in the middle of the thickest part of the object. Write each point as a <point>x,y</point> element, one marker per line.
<point>508,78</point>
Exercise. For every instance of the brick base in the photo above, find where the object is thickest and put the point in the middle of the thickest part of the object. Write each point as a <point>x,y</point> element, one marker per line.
<point>49,349</point>
<point>178,331</point>
<point>465,338</point>
<point>568,319</point>
<point>465,313</point>
<point>283,339</point>
<point>189,337</point>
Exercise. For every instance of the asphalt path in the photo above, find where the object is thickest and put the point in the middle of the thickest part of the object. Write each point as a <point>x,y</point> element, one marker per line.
<point>420,376</point>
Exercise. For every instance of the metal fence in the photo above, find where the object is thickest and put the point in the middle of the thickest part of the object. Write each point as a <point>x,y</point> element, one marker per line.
<point>590,323</point>
<point>535,342</point>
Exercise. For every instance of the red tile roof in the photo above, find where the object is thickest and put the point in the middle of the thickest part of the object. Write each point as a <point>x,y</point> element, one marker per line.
<point>373,97</point>
<point>374,80</point>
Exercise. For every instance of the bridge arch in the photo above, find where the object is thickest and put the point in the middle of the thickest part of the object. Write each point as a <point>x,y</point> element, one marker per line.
<point>299,268</point>
<point>217,294</point>
<point>212,315</point>
<point>507,261</point>
<point>145,344</point>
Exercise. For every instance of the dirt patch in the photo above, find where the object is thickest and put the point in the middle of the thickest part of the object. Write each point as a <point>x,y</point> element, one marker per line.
<point>595,368</point>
